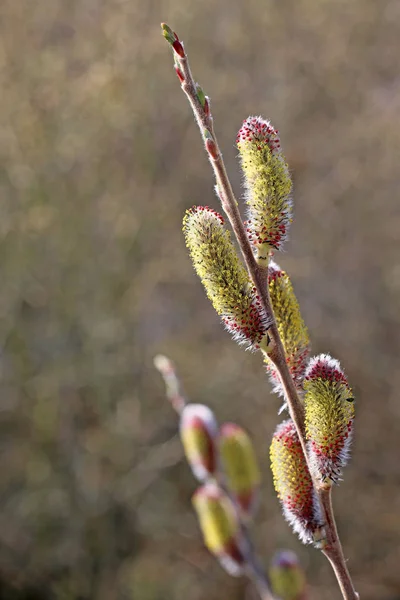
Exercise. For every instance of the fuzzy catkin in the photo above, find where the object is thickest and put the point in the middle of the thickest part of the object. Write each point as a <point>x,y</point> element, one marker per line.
<point>268,186</point>
<point>224,277</point>
<point>240,466</point>
<point>293,483</point>
<point>292,329</point>
<point>219,526</point>
<point>329,417</point>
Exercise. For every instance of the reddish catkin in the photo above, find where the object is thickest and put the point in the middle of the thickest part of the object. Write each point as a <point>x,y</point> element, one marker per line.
<point>199,430</point>
<point>293,484</point>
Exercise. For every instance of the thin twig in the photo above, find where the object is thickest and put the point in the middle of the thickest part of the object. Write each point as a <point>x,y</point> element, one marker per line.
<point>333,550</point>
<point>201,109</point>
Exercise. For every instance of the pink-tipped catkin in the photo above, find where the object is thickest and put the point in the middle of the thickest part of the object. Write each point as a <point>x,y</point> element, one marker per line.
<point>293,484</point>
<point>224,277</point>
<point>329,418</point>
<point>268,186</point>
<point>199,430</point>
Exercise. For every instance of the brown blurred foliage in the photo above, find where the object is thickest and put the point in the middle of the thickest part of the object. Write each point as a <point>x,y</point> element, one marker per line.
<point>99,157</point>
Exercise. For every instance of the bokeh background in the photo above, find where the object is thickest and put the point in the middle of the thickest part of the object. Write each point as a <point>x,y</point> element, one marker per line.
<point>99,158</point>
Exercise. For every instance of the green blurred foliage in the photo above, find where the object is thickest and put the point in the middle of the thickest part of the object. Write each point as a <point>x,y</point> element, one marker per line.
<point>99,157</point>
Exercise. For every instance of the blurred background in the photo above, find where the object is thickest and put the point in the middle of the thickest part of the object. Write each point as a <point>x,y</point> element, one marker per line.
<point>99,158</point>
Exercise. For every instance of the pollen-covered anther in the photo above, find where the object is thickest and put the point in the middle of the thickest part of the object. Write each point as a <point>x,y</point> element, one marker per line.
<point>329,418</point>
<point>224,277</point>
<point>240,467</point>
<point>220,527</point>
<point>291,327</point>
<point>293,484</point>
<point>268,186</point>
<point>199,430</point>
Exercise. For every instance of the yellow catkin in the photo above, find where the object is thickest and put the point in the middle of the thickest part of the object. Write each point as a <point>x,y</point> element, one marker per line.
<point>291,327</point>
<point>268,186</point>
<point>219,526</point>
<point>329,416</point>
<point>224,277</point>
<point>240,466</point>
<point>288,581</point>
<point>199,430</point>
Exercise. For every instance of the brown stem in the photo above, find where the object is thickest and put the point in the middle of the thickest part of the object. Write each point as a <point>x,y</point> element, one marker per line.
<point>173,387</point>
<point>259,274</point>
<point>253,568</point>
<point>333,549</point>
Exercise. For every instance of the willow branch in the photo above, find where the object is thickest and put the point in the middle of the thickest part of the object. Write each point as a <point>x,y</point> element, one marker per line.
<point>201,109</point>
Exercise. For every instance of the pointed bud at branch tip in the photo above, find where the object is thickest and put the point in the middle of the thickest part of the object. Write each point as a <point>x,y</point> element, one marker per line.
<point>329,417</point>
<point>224,277</point>
<point>268,187</point>
<point>240,467</point>
<point>293,484</point>
<point>173,39</point>
<point>220,527</point>
<point>168,33</point>
<point>199,429</point>
<point>172,387</point>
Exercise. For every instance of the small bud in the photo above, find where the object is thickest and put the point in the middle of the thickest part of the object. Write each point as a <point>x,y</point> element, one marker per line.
<point>168,33</point>
<point>210,144</point>
<point>240,466</point>
<point>173,39</point>
<point>288,581</point>
<point>199,429</point>
<point>178,47</point>
<point>179,73</point>
<point>291,327</point>
<point>293,484</point>
<point>224,277</point>
<point>200,95</point>
<point>220,527</point>
<point>329,415</point>
<point>207,106</point>
<point>268,185</point>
